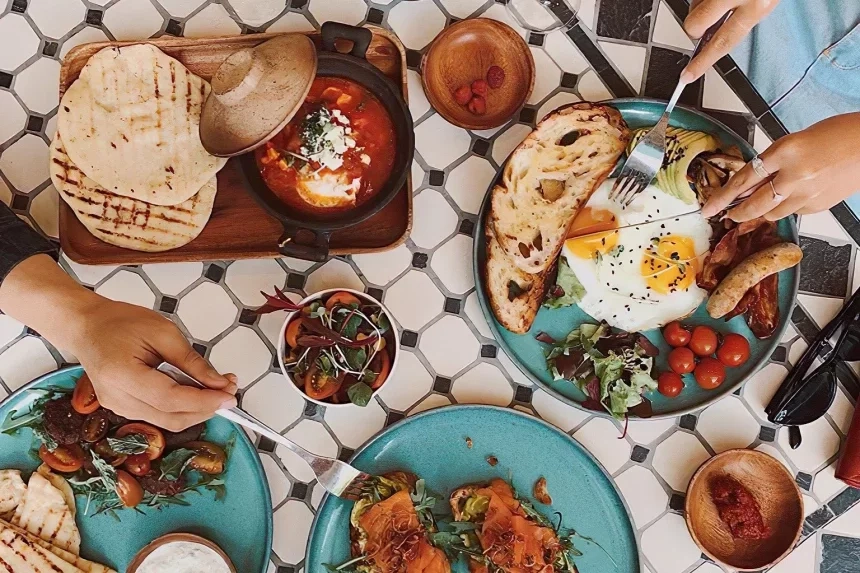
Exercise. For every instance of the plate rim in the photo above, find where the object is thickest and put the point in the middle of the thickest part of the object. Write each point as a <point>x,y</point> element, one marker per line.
<point>478,275</point>
<point>498,410</point>
<point>258,465</point>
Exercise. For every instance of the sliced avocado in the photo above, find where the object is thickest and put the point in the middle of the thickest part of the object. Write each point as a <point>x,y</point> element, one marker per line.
<point>682,146</point>
<point>475,506</point>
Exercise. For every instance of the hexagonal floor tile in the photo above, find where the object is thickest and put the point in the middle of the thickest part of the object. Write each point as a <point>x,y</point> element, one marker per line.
<point>45,209</point>
<point>207,311</point>
<point>84,36</point>
<point>500,13</point>
<point>555,102</point>
<point>449,345</point>
<point>820,443</point>
<point>272,402</point>
<point>439,142</point>
<point>668,546</point>
<point>243,353</point>
<point>418,104</point>
<point>825,485</point>
<point>429,403</point>
<point>132,20</point>
<point>354,427</point>
<point>346,11</point>
<point>25,360</point>
<point>677,458</point>
<point>409,383</point>
<point>214,20</point>
<point>381,268</point>
<point>513,371</point>
<point>468,183</point>
<point>842,411</point>
<point>592,88</point>
<point>313,437</point>
<point>5,193</point>
<point>630,61</point>
<point>417,175</point>
<point>298,264</point>
<point>292,526</point>
<point>437,221</point>
<point>416,23</point>
<point>462,8</point>
<point>564,52</point>
<point>13,118</point>
<point>334,274</point>
<point>727,424</point>
<point>279,483</point>
<point>646,431</point>
<point>128,287</point>
<point>402,296</point>
<point>762,386</point>
<point>25,163</point>
<point>10,329</point>
<point>508,141</point>
<point>556,412</point>
<point>257,12</point>
<point>473,310</point>
<point>55,18</point>
<point>247,278</point>
<point>291,22</point>
<point>547,76</point>
<point>19,41</point>
<point>600,437</point>
<point>644,495</point>
<point>181,8</point>
<point>453,264</point>
<point>483,384</point>
<point>173,278</point>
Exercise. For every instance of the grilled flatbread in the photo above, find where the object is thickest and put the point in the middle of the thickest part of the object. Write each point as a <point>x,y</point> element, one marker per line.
<point>44,513</point>
<point>127,222</point>
<point>79,562</point>
<point>18,554</point>
<point>62,486</point>
<point>131,123</point>
<point>12,490</point>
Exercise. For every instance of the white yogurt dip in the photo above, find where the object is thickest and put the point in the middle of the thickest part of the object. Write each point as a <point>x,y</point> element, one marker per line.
<point>183,557</point>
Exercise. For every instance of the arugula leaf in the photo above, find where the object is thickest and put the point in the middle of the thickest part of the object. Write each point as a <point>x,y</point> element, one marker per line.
<point>174,463</point>
<point>107,473</point>
<point>568,288</point>
<point>129,445</point>
<point>359,394</point>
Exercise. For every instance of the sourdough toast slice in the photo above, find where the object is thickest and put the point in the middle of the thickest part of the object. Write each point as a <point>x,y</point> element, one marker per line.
<point>550,176</point>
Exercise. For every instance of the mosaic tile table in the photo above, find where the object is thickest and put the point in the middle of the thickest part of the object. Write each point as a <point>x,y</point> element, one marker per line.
<point>618,48</point>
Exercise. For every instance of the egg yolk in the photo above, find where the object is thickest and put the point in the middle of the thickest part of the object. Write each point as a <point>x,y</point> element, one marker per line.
<point>599,225</point>
<point>669,264</point>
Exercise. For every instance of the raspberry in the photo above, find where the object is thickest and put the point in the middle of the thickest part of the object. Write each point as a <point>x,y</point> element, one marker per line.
<point>478,105</point>
<point>495,76</point>
<point>463,94</point>
<point>479,88</point>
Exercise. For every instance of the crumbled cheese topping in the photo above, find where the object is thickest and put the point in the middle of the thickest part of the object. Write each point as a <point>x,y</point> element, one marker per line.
<point>326,137</point>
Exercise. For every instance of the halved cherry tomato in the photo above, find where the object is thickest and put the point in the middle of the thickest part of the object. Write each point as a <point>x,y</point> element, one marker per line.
<point>64,459</point>
<point>710,373</point>
<point>102,448</point>
<point>138,464</point>
<point>95,426</point>
<point>153,436</point>
<point>682,360</point>
<point>381,364</point>
<point>342,298</point>
<point>84,399</point>
<point>676,335</point>
<point>735,350</point>
<point>669,384</point>
<point>210,458</point>
<point>319,385</point>
<point>703,341</point>
<point>292,333</point>
<point>128,489</point>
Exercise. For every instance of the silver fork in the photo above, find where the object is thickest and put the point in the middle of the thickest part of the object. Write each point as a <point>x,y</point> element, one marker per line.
<point>337,477</point>
<point>646,158</point>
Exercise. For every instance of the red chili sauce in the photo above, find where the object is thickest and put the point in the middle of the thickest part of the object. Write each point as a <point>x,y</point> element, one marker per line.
<point>738,508</point>
<point>371,158</point>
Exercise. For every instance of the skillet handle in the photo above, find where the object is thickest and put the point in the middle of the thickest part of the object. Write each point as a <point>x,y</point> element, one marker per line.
<point>304,244</point>
<point>360,38</point>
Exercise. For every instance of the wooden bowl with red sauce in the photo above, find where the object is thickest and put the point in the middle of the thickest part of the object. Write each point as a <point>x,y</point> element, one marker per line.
<point>777,500</point>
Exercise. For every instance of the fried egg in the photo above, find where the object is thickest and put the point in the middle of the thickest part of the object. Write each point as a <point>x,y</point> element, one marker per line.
<point>640,277</point>
<point>328,189</point>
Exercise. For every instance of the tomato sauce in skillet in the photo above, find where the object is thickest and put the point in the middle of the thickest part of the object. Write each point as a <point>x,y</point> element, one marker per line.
<point>335,154</point>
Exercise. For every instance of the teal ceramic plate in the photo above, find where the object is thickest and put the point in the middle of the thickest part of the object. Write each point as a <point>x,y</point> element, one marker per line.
<point>241,523</point>
<point>527,353</point>
<point>433,445</point>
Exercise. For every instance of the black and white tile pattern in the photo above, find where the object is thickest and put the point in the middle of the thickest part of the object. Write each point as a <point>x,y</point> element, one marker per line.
<point>616,48</point>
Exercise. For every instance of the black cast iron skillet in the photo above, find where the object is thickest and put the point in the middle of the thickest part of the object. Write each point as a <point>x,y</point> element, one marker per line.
<point>307,236</point>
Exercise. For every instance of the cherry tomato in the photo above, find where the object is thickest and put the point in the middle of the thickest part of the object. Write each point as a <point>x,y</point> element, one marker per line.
<point>710,373</point>
<point>153,436</point>
<point>138,464</point>
<point>342,298</point>
<point>102,448</point>
<point>84,399</point>
<point>95,426</point>
<point>676,335</point>
<point>704,341</point>
<point>735,350</point>
<point>320,386</point>
<point>210,458</point>
<point>64,459</point>
<point>128,489</point>
<point>682,360</point>
<point>669,384</point>
<point>382,366</point>
<point>292,333</point>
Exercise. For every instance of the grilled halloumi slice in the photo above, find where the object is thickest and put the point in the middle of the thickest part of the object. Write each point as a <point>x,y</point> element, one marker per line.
<point>12,491</point>
<point>44,513</point>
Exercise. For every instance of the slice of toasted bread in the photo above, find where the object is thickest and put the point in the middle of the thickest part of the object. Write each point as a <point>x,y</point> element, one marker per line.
<point>550,176</point>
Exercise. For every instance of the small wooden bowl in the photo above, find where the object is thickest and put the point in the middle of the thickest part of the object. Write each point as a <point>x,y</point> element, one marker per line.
<point>172,538</point>
<point>463,53</point>
<point>778,497</point>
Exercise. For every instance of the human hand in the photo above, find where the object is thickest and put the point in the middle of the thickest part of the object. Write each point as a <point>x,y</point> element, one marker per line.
<point>812,170</point>
<point>746,14</point>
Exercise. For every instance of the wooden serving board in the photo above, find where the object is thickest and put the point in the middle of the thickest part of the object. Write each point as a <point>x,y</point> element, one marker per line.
<point>239,228</point>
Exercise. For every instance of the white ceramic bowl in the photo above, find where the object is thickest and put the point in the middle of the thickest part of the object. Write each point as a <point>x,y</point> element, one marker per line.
<point>282,344</point>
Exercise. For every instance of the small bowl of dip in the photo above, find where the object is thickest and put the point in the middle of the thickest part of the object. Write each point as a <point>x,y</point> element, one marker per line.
<point>181,553</point>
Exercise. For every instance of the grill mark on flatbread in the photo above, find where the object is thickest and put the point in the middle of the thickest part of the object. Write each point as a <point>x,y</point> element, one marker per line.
<point>6,566</point>
<point>187,94</point>
<point>42,552</point>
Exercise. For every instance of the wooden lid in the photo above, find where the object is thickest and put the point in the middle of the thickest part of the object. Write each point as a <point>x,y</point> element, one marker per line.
<point>256,92</point>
